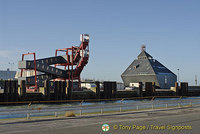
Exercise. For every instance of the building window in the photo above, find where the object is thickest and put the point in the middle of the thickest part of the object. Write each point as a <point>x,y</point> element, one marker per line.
<point>135,67</point>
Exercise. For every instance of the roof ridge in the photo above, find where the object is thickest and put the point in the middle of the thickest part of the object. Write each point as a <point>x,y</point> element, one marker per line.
<point>144,55</point>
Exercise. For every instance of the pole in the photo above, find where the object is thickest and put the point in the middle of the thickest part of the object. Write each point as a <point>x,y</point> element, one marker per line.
<point>178,76</point>
<point>196,80</point>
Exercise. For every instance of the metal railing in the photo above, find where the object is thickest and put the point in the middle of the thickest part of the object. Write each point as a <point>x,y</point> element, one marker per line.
<point>97,108</point>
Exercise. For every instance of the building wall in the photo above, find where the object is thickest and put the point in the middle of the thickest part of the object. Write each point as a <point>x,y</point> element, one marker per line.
<point>193,88</point>
<point>5,75</point>
<point>166,81</point>
<point>120,86</point>
<point>139,78</point>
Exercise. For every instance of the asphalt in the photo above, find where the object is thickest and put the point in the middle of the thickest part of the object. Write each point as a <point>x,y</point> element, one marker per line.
<point>178,121</point>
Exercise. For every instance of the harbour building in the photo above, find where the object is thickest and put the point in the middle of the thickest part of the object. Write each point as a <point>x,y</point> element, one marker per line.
<point>7,74</point>
<point>147,69</point>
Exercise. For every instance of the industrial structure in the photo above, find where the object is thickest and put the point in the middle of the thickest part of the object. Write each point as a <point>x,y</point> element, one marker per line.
<point>146,69</point>
<point>73,61</point>
<point>55,77</point>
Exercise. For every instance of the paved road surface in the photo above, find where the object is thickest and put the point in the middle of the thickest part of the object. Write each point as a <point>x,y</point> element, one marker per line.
<point>187,118</point>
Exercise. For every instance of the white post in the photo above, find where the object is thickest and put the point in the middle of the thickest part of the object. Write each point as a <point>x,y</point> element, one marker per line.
<point>80,112</point>
<point>81,109</point>
<point>101,110</point>
<point>152,106</point>
<point>56,114</point>
<point>120,109</point>
<point>179,105</point>
<point>137,107</point>
<point>166,105</point>
<point>190,104</point>
<point>28,116</point>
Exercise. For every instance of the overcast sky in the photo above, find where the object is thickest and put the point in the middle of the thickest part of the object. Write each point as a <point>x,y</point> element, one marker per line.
<point>170,30</point>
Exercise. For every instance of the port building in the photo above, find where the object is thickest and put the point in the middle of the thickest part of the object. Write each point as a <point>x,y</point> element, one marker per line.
<point>7,74</point>
<point>147,69</point>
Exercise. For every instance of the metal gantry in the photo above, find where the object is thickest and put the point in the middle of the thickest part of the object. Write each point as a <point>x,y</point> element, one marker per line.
<point>73,61</point>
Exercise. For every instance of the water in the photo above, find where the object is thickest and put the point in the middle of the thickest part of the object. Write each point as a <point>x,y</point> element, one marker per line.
<point>142,104</point>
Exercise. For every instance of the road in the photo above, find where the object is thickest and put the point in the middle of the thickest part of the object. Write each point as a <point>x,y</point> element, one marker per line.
<point>147,122</point>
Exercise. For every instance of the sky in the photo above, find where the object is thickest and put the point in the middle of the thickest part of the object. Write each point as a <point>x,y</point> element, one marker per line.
<point>170,30</point>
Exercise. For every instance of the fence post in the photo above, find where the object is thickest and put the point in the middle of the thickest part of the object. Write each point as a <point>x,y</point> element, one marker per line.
<point>101,110</point>
<point>120,109</point>
<point>56,114</point>
<point>28,114</point>
<point>152,106</point>
<point>179,105</point>
<point>137,107</point>
<point>81,108</point>
<point>166,105</point>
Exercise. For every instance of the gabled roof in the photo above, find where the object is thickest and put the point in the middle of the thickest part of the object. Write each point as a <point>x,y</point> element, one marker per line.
<point>144,55</point>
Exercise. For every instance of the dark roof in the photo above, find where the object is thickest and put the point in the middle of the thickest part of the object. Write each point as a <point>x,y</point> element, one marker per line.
<point>147,69</point>
<point>144,55</point>
<point>146,65</point>
<point>158,67</point>
<point>139,67</point>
